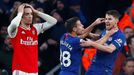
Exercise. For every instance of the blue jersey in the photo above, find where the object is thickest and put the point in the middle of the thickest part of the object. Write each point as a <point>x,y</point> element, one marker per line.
<point>103,61</point>
<point>70,54</point>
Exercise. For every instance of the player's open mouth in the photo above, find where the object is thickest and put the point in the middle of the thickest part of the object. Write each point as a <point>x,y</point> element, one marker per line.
<point>107,24</point>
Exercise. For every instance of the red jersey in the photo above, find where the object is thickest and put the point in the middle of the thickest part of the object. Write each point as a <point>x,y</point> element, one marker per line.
<point>25,45</point>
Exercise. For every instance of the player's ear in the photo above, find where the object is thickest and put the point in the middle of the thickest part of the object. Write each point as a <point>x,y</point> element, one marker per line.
<point>117,20</point>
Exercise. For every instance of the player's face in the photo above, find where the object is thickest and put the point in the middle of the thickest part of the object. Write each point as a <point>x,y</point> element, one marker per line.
<point>79,28</point>
<point>110,21</point>
<point>129,68</point>
<point>27,16</point>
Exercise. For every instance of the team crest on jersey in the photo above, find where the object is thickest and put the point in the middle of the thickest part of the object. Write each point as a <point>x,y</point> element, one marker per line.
<point>23,32</point>
<point>33,32</point>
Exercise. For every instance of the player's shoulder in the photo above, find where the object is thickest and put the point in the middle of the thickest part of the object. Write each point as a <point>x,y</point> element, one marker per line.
<point>33,27</point>
<point>63,36</point>
<point>120,34</point>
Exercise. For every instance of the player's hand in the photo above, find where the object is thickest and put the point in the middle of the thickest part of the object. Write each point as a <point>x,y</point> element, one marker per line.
<point>34,10</point>
<point>86,43</point>
<point>21,8</point>
<point>99,21</point>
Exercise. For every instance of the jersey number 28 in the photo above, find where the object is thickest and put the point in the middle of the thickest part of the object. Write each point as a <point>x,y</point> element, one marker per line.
<point>65,58</point>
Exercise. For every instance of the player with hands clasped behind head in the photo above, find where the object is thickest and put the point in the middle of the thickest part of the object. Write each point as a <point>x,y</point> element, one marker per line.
<point>24,36</point>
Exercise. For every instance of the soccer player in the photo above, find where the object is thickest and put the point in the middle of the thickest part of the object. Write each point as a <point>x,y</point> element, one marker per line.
<point>106,53</point>
<point>24,37</point>
<point>70,49</point>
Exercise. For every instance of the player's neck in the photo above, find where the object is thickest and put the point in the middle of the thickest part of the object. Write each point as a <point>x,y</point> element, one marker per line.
<point>115,27</point>
<point>24,26</point>
<point>73,34</point>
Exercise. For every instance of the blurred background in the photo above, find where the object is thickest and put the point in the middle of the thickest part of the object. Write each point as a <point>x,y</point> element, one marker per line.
<point>86,10</point>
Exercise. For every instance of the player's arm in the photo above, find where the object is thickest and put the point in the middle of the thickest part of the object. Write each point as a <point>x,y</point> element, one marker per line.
<point>100,43</point>
<point>106,37</point>
<point>50,21</point>
<point>103,39</point>
<point>94,36</point>
<point>110,48</point>
<point>117,43</point>
<point>13,27</point>
<point>90,27</point>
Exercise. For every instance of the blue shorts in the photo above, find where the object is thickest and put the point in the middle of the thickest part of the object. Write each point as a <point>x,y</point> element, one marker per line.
<point>67,73</point>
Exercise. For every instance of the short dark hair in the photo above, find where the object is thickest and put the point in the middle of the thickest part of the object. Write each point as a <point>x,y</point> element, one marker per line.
<point>70,23</point>
<point>114,13</point>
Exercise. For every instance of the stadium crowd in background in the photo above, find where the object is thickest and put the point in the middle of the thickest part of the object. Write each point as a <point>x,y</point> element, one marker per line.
<point>86,10</point>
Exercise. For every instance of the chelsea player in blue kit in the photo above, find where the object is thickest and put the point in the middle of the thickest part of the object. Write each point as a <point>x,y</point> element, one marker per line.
<point>106,53</point>
<point>70,49</point>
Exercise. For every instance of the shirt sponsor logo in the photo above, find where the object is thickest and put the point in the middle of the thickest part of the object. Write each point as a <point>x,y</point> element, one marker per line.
<point>28,41</point>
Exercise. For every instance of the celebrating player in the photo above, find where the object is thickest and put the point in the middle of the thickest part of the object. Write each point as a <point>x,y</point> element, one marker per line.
<point>106,53</point>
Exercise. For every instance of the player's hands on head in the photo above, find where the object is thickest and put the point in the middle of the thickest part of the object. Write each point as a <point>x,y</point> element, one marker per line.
<point>21,8</point>
<point>34,10</point>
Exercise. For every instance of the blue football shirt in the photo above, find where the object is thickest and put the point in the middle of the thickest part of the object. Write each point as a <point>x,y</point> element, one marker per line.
<point>103,61</point>
<point>70,53</point>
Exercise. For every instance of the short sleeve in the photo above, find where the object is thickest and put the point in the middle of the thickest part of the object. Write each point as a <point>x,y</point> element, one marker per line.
<point>118,42</point>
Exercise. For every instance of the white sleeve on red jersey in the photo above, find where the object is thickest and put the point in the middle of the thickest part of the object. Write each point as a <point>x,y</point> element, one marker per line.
<point>50,21</point>
<point>12,28</point>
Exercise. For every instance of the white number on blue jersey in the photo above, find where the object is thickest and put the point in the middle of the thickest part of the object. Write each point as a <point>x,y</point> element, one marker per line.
<point>65,58</point>
<point>119,42</point>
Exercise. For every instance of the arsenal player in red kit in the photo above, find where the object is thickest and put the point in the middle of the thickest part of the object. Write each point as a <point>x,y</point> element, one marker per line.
<point>24,36</point>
